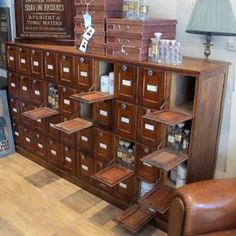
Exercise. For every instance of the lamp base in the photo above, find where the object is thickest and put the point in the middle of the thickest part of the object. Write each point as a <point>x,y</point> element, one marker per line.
<point>208,45</point>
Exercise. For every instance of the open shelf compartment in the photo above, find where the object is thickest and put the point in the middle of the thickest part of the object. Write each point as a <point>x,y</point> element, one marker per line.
<point>92,97</point>
<point>159,199</point>
<point>73,126</point>
<point>170,118</point>
<point>134,218</point>
<point>165,159</point>
<point>40,113</point>
<point>113,175</point>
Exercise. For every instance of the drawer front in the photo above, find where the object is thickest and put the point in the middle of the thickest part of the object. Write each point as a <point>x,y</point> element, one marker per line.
<point>84,164</point>
<point>50,66</point>
<point>125,190</point>
<point>27,138</point>
<point>65,70</point>
<point>37,91</point>
<point>143,170</point>
<point>84,140</point>
<point>25,106</point>
<point>25,90</point>
<point>23,61</point>
<point>40,145</point>
<point>68,159</point>
<point>83,73</point>
<point>13,84</point>
<point>125,124</point>
<point>40,125</point>
<point>151,88</point>
<point>53,151</point>
<point>67,106</point>
<point>125,83</point>
<point>67,139</point>
<point>36,63</point>
<point>103,144</point>
<point>16,132</point>
<point>15,108</point>
<point>50,131</point>
<point>149,132</point>
<point>11,57</point>
<point>103,113</point>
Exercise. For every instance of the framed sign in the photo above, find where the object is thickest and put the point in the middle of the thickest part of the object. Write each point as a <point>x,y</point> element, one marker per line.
<point>45,20</point>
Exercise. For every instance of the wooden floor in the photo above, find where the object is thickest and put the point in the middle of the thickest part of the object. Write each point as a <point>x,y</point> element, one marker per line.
<point>34,201</point>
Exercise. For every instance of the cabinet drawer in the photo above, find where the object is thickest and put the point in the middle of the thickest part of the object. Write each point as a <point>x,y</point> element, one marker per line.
<point>126,82</point>
<point>151,88</point>
<point>103,113</point>
<point>53,151</point>
<point>83,73</point>
<point>125,190</point>
<point>27,138</point>
<point>50,66</point>
<point>84,139</point>
<point>24,91</point>
<point>16,132</point>
<point>11,57</point>
<point>143,170</point>
<point>40,125</point>
<point>84,165</point>
<point>67,106</point>
<point>23,61</point>
<point>67,139</point>
<point>68,159</point>
<point>125,124</point>
<point>25,106</point>
<point>36,63</point>
<point>13,84</point>
<point>15,108</point>
<point>66,75</point>
<point>103,144</point>
<point>50,131</point>
<point>40,145</point>
<point>37,91</point>
<point>149,132</point>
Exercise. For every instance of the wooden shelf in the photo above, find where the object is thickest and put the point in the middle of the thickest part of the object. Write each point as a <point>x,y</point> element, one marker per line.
<point>40,113</point>
<point>170,118</point>
<point>92,97</point>
<point>134,218</point>
<point>73,126</point>
<point>113,175</point>
<point>165,159</point>
<point>158,199</point>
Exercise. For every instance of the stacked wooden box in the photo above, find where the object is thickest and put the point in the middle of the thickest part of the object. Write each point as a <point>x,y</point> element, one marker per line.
<point>99,11</point>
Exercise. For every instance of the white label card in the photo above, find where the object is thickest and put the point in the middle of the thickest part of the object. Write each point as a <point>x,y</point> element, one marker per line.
<point>11,58</point>
<point>37,92</point>
<point>103,113</point>
<point>66,101</point>
<point>40,145</point>
<point>66,70</point>
<point>83,73</point>
<point>15,110</point>
<point>13,85</point>
<point>84,167</point>
<point>22,61</point>
<point>125,120</point>
<point>28,140</point>
<point>50,67</point>
<point>89,33</point>
<point>24,88</point>
<point>84,138</point>
<point>122,185</point>
<point>126,82</point>
<point>36,63</point>
<point>53,152</point>
<point>102,145</point>
<point>17,134</point>
<point>149,127</point>
<point>152,88</point>
<point>68,159</point>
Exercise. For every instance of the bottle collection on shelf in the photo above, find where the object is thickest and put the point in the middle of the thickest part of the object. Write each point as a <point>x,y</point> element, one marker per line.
<point>107,83</point>
<point>53,97</point>
<point>165,51</point>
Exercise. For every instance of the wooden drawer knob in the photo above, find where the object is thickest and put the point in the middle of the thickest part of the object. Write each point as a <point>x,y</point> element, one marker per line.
<point>124,68</point>
<point>12,100</point>
<point>34,81</point>
<point>66,149</point>
<point>51,142</point>
<point>23,104</point>
<point>22,77</point>
<point>38,136</point>
<point>20,49</point>
<point>81,60</point>
<point>25,129</point>
<point>100,133</point>
<point>150,72</point>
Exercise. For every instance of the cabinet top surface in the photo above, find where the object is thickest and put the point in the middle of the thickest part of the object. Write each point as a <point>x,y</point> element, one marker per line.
<point>190,65</point>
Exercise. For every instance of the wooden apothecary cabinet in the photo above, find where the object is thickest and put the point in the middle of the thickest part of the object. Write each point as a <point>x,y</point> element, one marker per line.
<point>148,98</point>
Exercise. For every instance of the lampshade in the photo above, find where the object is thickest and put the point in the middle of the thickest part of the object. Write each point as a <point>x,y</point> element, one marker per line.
<point>212,17</point>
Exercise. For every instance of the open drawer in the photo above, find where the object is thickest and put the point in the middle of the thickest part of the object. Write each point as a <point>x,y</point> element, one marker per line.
<point>40,113</point>
<point>73,126</point>
<point>165,159</point>
<point>92,97</point>
<point>113,175</point>
<point>170,118</point>
<point>159,199</point>
<point>134,218</point>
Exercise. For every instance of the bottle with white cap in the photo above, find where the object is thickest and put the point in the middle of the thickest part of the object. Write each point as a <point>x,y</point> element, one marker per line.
<point>104,83</point>
<point>181,175</point>
<point>111,83</point>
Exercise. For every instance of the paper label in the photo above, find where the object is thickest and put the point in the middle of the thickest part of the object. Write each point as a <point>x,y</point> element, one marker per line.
<point>66,101</point>
<point>125,120</point>
<point>15,110</point>
<point>122,185</point>
<point>84,138</point>
<point>22,61</point>
<point>83,45</point>
<point>40,145</point>
<point>53,152</point>
<point>13,85</point>
<point>37,92</point>
<point>68,159</point>
<point>28,140</point>
<point>11,58</point>
<point>84,167</point>
<point>83,73</point>
<point>152,88</point>
<point>126,82</point>
<point>103,113</point>
<point>149,127</point>
<point>17,133</point>
<point>36,63</point>
<point>146,164</point>
<point>89,33</point>
<point>66,70</point>
<point>102,145</point>
<point>24,88</point>
<point>50,67</point>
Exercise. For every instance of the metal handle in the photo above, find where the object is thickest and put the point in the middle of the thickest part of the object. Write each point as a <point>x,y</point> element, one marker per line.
<point>12,100</point>
<point>23,104</point>
<point>25,129</point>
<point>150,72</point>
<point>34,81</point>
<point>20,49</point>
<point>63,57</point>
<point>33,52</point>
<point>51,142</point>
<point>66,149</point>
<point>64,90</point>
<point>148,111</point>
<point>146,150</point>
<point>100,133</point>
<point>38,136</point>
<point>123,106</point>
<point>100,165</point>
<point>47,54</point>
<point>22,77</point>
<point>10,74</point>
<point>81,60</point>
<point>14,124</point>
<point>124,68</point>
<point>82,157</point>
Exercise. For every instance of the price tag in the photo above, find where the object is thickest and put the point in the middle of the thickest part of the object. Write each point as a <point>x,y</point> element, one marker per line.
<point>40,145</point>
<point>17,134</point>
<point>37,92</point>
<point>152,88</point>
<point>22,61</point>
<point>125,120</point>
<point>84,167</point>
<point>24,88</point>
<point>66,70</point>
<point>126,82</point>
<point>83,45</point>
<point>11,58</point>
<point>103,146</point>
<point>84,138</point>
<point>36,63</point>
<point>28,140</point>
<point>66,101</point>
<point>89,33</point>
<point>68,159</point>
<point>50,67</point>
<point>122,185</point>
<point>13,85</point>
<point>53,152</point>
<point>149,127</point>
<point>103,113</point>
<point>83,73</point>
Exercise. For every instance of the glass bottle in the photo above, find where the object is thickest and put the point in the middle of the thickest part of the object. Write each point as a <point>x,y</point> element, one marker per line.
<point>136,10</point>
<point>173,53</point>
<point>57,102</point>
<point>185,144</point>
<point>179,137</point>
<point>130,12</point>
<point>120,151</point>
<point>179,54</point>
<point>158,39</point>
<point>50,93</point>
<point>152,50</point>
<point>171,138</point>
<point>167,52</point>
<point>125,8</point>
<point>143,10</point>
<point>161,57</point>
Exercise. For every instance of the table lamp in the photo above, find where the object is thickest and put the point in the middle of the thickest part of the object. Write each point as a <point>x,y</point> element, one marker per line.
<point>212,17</point>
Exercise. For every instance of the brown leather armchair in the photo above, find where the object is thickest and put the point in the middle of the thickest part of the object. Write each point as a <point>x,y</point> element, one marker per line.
<point>204,208</point>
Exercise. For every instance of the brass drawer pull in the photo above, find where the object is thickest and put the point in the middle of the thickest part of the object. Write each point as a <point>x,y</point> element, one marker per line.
<point>123,106</point>
<point>150,72</point>
<point>51,142</point>
<point>66,149</point>
<point>124,68</point>
<point>146,150</point>
<point>81,60</point>
<point>100,133</point>
<point>38,136</point>
<point>63,57</point>
<point>47,54</point>
<point>64,90</point>
<point>22,77</point>
<point>33,52</point>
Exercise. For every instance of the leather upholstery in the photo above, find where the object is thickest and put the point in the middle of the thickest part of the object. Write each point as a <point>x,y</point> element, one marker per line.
<point>204,208</point>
